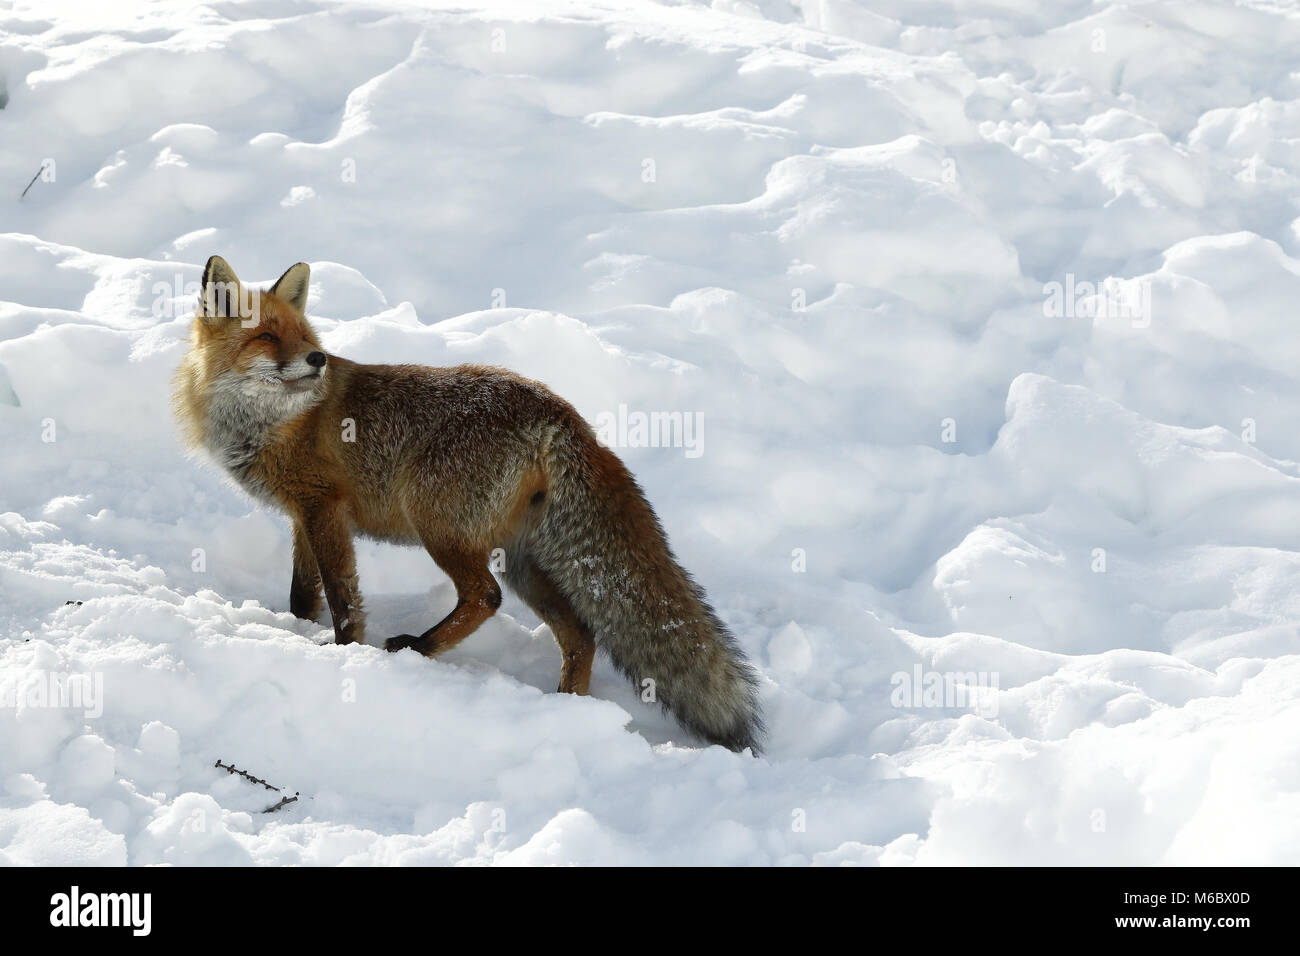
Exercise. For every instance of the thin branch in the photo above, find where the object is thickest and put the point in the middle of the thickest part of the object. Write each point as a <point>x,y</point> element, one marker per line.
<point>33,182</point>
<point>284,802</point>
<point>231,768</point>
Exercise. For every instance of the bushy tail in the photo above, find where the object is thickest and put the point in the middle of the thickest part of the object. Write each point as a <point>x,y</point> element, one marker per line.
<point>601,544</point>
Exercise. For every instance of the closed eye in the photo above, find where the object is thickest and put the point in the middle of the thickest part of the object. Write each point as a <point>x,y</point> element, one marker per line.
<point>269,337</point>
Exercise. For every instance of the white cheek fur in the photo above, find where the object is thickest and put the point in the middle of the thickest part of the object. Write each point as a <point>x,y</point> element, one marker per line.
<point>268,371</point>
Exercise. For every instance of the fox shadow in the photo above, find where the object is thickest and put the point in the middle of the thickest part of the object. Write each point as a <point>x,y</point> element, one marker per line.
<point>514,642</point>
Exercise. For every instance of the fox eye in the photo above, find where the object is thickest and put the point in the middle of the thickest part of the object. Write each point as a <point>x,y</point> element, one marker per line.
<point>269,337</point>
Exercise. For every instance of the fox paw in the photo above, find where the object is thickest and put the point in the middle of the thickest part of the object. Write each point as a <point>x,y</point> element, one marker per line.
<point>400,642</point>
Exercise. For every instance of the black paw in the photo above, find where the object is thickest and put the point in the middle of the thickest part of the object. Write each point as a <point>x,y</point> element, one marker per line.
<point>305,607</point>
<point>400,642</point>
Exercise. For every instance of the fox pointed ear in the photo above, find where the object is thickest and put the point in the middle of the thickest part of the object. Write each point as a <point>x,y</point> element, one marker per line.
<point>292,286</point>
<point>221,292</point>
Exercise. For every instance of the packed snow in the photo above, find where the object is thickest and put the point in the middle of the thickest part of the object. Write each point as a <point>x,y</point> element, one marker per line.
<point>983,315</point>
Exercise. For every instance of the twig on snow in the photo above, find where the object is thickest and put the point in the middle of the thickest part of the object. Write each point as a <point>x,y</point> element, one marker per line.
<point>284,801</point>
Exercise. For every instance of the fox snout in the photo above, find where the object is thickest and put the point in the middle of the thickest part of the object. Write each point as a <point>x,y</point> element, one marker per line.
<point>301,370</point>
<point>314,360</point>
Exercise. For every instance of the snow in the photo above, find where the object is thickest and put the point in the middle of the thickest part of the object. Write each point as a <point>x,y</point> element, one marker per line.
<point>883,255</point>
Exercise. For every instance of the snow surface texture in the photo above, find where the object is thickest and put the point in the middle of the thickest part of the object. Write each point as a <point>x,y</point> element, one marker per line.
<point>828,230</point>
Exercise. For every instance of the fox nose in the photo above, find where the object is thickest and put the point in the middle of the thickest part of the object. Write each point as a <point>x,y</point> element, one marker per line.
<point>316,359</point>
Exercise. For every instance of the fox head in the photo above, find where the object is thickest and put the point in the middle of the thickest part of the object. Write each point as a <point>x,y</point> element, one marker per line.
<point>254,362</point>
<point>256,347</point>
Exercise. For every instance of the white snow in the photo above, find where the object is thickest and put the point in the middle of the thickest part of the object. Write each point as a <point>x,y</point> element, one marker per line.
<point>987,310</point>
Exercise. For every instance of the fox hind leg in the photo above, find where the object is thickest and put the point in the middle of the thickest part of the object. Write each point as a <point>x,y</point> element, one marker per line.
<point>577,650</point>
<point>576,642</point>
<point>477,598</point>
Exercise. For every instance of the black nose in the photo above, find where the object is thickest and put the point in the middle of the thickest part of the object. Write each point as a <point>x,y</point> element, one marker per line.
<point>316,359</point>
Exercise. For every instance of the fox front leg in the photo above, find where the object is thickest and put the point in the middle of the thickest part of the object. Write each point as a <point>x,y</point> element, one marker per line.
<point>330,540</point>
<point>477,598</point>
<point>304,588</point>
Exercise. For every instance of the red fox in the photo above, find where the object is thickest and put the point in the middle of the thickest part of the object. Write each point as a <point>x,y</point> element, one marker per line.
<point>461,461</point>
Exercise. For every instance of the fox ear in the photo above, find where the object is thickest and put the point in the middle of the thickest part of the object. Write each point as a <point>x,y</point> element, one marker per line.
<point>221,292</point>
<point>292,286</point>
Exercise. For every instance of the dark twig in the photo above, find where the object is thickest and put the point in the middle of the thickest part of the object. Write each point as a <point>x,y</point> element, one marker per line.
<point>231,768</point>
<point>284,801</point>
<point>33,182</point>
